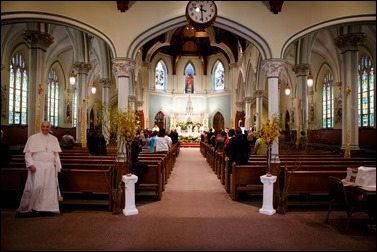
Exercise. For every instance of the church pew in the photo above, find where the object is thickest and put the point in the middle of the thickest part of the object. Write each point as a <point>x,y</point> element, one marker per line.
<point>309,179</point>
<point>87,180</point>
<point>152,181</point>
<point>13,182</point>
<point>246,178</point>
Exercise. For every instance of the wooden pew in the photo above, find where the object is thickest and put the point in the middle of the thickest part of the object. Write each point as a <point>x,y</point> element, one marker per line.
<point>152,181</point>
<point>246,178</point>
<point>87,180</point>
<point>13,182</point>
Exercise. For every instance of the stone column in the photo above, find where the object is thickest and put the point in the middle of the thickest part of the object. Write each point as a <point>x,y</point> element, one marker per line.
<point>38,42</point>
<point>106,84</point>
<point>301,71</point>
<point>259,109</point>
<point>272,68</point>
<point>348,44</point>
<point>247,112</point>
<point>82,97</point>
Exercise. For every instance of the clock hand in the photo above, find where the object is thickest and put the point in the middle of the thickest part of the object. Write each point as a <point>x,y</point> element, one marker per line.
<point>201,11</point>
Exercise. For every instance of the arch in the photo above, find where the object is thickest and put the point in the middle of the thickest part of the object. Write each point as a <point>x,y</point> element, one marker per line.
<point>221,22</point>
<point>218,121</point>
<point>160,120</point>
<point>326,24</point>
<point>40,17</point>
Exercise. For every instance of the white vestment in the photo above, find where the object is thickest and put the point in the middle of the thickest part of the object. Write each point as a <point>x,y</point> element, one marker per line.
<point>41,187</point>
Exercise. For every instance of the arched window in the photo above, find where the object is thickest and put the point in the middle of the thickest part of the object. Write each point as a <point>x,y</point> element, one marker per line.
<point>218,76</point>
<point>160,75</point>
<point>18,86</point>
<point>328,100</point>
<point>366,92</point>
<point>189,79</point>
<point>53,99</point>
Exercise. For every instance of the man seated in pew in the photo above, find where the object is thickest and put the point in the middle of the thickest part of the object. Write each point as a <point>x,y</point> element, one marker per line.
<point>138,168</point>
<point>238,149</point>
<point>67,141</point>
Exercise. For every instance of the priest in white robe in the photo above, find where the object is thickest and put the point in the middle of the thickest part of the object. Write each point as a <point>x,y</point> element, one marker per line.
<point>43,163</point>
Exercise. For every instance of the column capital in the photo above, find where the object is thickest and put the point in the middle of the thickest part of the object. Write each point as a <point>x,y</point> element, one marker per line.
<point>350,42</point>
<point>248,99</point>
<point>301,69</point>
<point>37,39</point>
<point>259,93</point>
<point>132,98</point>
<point>273,67</point>
<point>82,67</point>
<point>123,67</point>
<point>139,103</point>
<point>105,82</point>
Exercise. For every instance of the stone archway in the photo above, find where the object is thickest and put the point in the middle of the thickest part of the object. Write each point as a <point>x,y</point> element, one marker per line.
<point>218,121</point>
<point>160,120</point>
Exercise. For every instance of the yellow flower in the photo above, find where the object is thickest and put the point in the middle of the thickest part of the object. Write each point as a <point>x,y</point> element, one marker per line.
<point>270,130</point>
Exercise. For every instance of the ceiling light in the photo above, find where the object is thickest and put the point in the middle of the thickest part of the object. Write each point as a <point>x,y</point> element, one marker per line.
<point>94,89</point>
<point>72,78</point>
<point>287,90</point>
<point>309,81</point>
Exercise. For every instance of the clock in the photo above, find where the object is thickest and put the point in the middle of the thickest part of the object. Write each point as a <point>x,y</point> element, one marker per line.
<point>201,14</point>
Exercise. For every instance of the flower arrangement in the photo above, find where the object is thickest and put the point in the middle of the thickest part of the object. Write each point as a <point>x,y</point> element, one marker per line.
<point>123,126</point>
<point>270,130</point>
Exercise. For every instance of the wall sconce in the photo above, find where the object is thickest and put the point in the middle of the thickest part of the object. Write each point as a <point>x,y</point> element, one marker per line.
<point>287,90</point>
<point>72,78</point>
<point>94,89</point>
<point>309,81</point>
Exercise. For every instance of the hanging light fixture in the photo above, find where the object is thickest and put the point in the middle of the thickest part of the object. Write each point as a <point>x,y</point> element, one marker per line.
<point>94,89</point>
<point>287,90</point>
<point>72,78</point>
<point>309,81</point>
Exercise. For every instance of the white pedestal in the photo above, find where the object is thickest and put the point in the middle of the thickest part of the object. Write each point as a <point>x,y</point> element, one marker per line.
<point>130,208</point>
<point>268,189</point>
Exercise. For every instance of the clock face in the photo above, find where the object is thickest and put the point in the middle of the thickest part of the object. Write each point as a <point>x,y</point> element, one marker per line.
<point>201,13</point>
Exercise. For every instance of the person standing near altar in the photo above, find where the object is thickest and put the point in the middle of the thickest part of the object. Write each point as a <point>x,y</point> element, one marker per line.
<point>43,163</point>
<point>156,128</point>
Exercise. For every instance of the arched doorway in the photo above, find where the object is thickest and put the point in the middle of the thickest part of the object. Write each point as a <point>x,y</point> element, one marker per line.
<point>218,121</point>
<point>159,120</point>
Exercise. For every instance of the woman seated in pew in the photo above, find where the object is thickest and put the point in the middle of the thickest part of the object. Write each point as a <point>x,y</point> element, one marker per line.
<point>162,142</point>
<point>260,147</point>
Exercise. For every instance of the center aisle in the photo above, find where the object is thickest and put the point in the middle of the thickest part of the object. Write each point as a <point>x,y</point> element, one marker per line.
<point>193,190</point>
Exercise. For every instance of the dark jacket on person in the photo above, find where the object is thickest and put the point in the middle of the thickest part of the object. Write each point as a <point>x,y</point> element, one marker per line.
<point>238,149</point>
<point>138,168</point>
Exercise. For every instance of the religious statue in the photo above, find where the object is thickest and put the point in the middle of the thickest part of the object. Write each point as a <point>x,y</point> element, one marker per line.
<point>189,84</point>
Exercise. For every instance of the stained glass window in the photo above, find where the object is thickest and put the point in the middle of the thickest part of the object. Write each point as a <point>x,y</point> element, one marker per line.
<point>328,100</point>
<point>18,86</point>
<point>365,92</point>
<point>218,76</point>
<point>160,75</point>
<point>53,99</point>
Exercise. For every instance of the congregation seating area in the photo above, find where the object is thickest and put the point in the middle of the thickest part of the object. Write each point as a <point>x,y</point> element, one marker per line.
<point>298,173</point>
<point>83,173</point>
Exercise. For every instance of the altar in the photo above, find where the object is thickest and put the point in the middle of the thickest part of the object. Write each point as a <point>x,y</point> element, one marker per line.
<point>190,124</point>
